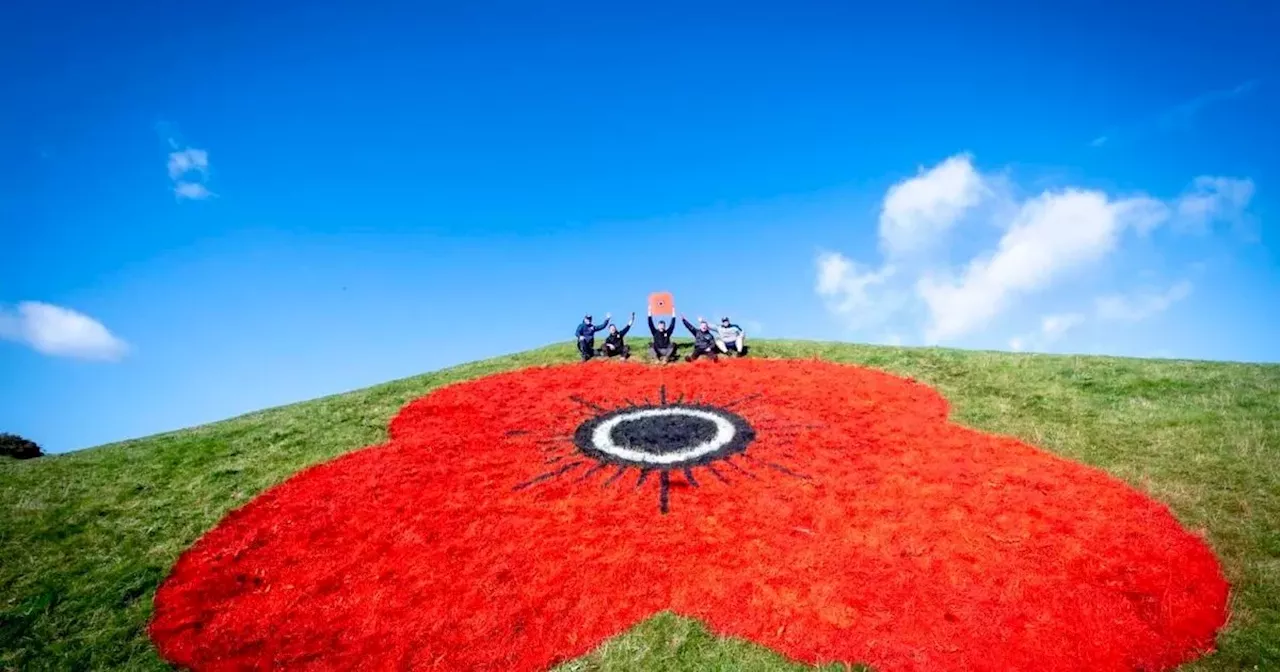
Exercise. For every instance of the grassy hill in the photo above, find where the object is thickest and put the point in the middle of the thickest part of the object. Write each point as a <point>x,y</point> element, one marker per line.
<point>86,537</point>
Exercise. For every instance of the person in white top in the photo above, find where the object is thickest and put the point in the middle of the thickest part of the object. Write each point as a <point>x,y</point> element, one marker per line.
<point>731,337</point>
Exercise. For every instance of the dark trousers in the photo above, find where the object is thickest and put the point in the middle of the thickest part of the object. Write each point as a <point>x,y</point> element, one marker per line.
<point>662,354</point>
<point>587,348</point>
<point>610,350</point>
<point>703,351</point>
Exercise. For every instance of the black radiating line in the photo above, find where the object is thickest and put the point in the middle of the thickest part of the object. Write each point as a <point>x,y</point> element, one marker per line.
<point>729,461</point>
<point>688,476</point>
<point>749,397</point>
<point>595,407</point>
<point>711,468</point>
<point>554,439</point>
<point>550,474</point>
<point>662,394</point>
<point>592,472</point>
<point>559,445</point>
<point>630,403</point>
<point>662,492</point>
<point>777,467</point>
<point>621,470</point>
<point>555,459</point>
<point>644,473</point>
<point>680,399</point>
<point>517,432</point>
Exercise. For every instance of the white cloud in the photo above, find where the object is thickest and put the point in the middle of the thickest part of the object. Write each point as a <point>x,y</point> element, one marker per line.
<point>1098,141</point>
<point>918,210</point>
<point>1052,234</point>
<point>58,331</point>
<point>192,191</point>
<point>186,161</point>
<point>189,171</point>
<point>1045,240</point>
<point>1054,326</point>
<point>1138,307</point>
<point>848,291</point>
<point>1213,199</point>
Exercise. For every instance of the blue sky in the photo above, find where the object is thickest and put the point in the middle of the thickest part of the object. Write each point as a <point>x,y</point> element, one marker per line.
<point>207,210</point>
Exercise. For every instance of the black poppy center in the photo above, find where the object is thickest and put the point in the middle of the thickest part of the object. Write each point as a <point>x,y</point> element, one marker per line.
<point>663,434</point>
<point>664,437</point>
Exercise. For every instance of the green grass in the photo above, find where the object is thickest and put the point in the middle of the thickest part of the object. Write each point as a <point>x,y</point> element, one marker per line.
<point>86,537</point>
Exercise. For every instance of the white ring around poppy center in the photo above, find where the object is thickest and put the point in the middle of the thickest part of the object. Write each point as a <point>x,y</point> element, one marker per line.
<point>602,437</point>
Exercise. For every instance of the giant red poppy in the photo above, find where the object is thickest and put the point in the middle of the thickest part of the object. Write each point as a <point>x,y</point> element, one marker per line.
<point>829,512</point>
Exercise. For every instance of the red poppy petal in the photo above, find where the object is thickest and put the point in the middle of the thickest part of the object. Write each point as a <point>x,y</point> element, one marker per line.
<point>856,525</point>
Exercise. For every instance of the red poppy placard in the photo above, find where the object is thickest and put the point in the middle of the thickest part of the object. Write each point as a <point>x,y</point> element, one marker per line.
<point>661,303</point>
<point>829,512</point>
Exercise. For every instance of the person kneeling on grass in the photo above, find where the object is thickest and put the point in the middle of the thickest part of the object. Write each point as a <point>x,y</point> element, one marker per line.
<point>704,341</point>
<point>731,337</point>
<point>661,348</point>
<point>586,334</point>
<point>614,346</point>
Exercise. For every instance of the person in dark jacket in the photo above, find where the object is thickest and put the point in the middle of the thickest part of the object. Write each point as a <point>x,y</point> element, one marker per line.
<point>661,348</point>
<point>614,346</point>
<point>704,340</point>
<point>586,334</point>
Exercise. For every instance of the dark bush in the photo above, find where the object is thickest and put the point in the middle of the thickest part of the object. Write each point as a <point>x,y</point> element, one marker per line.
<point>12,445</point>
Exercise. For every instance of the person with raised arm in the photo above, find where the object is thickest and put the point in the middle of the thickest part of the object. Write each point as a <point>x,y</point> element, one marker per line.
<point>661,347</point>
<point>614,346</point>
<point>704,340</point>
<point>586,334</point>
<point>731,337</point>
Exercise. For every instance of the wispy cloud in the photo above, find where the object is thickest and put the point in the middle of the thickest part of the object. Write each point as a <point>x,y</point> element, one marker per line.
<point>1214,199</point>
<point>188,167</point>
<point>1044,240</point>
<point>1127,308</point>
<point>851,291</point>
<point>1179,117</point>
<point>189,171</point>
<point>1142,305</point>
<point>193,191</point>
<point>58,331</point>
<point>1052,328</point>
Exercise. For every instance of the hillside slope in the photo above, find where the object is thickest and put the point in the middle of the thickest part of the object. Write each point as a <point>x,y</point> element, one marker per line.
<point>86,537</point>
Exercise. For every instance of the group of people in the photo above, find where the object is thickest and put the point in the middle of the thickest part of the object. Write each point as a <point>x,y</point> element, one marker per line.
<point>728,339</point>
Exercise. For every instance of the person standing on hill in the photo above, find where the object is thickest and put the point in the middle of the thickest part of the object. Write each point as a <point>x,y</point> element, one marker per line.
<point>614,346</point>
<point>704,341</point>
<point>731,337</point>
<point>586,334</point>
<point>661,348</point>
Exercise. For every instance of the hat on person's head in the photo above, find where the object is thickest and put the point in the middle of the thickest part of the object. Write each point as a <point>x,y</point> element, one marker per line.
<point>587,316</point>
